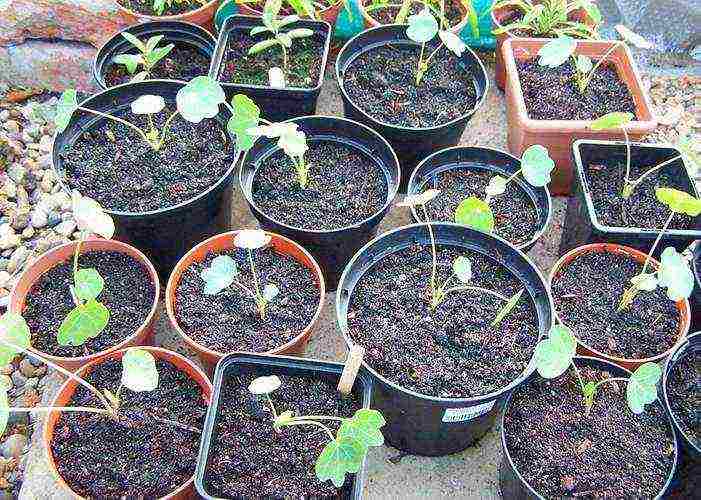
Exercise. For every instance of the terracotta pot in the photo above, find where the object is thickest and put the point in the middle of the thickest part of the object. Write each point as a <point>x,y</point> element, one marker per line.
<point>202,16</point>
<point>225,241</point>
<point>370,22</point>
<point>329,14</point>
<point>143,334</point>
<point>186,490</point>
<point>498,17</point>
<point>582,348</point>
<point>559,135</point>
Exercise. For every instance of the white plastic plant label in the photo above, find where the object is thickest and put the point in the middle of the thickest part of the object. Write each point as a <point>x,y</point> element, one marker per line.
<point>462,414</point>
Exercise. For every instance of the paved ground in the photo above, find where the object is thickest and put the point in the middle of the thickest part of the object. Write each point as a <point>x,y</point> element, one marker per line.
<point>471,474</point>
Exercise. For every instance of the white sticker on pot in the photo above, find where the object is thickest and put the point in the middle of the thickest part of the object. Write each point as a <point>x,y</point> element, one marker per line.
<point>462,414</point>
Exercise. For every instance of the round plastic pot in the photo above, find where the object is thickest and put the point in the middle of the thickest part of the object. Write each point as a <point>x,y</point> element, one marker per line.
<point>185,491</point>
<point>143,333</point>
<point>332,248</point>
<point>418,423</point>
<point>512,484</point>
<point>371,22</point>
<point>329,14</point>
<point>201,16</point>
<point>275,104</point>
<point>691,345</point>
<point>166,234</point>
<point>235,364</point>
<point>581,225</point>
<point>493,161</point>
<point>218,244</point>
<point>695,299</point>
<point>410,143</point>
<point>638,256</point>
<point>177,32</point>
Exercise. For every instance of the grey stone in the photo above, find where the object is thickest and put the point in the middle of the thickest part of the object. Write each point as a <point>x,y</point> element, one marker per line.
<point>21,220</point>
<point>18,380</point>
<point>66,227</point>
<point>39,218</point>
<point>17,259</point>
<point>9,188</point>
<point>28,232</point>
<point>8,238</point>
<point>11,126</point>
<point>31,383</point>
<point>3,264</point>
<point>46,144</point>
<point>4,278</point>
<point>17,173</point>
<point>12,446</point>
<point>27,368</point>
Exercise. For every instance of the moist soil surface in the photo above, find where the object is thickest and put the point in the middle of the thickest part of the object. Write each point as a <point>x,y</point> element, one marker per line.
<point>564,453</point>
<point>387,15</point>
<point>114,165</point>
<point>515,215</point>
<point>184,62</point>
<point>642,210</point>
<point>345,187</point>
<point>136,456</point>
<point>382,83</point>
<point>128,294</point>
<point>305,59</point>
<point>452,351</point>
<point>552,94</point>
<point>587,292</point>
<point>684,394</point>
<point>229,321</point>
<point>176,7</point>
<point>240,464</point>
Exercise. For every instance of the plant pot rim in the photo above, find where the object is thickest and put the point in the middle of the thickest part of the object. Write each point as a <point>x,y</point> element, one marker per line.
<point>107,245</point>
<point>171,17</point>
<point>160,212</point>
<point>643,123</point>
<point>391,192</point>
<point>150,27</point>
<point>374,23</point>
<point>160,353</point>
<point>672,359</point>
<point>471,401</point>
<point>548,208</point>
<point>405,41</point>
<point>251,6</point>
<point>507,454</point>
<point>181,267</point>
<point>591,212</point>
<point>222,45</point>
<point>637,255</point>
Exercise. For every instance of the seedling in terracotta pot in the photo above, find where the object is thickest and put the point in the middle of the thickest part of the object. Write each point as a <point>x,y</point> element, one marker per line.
<point>536,166</point>
<point>159,6</point>
<point>223,271</point>
<point>550,17</point>
<point>149,55</point>
<point>345,451</point>
<point>555,354</point>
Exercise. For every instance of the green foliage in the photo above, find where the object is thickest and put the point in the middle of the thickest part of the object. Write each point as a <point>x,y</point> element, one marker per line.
<point>475,213</point>
<point>149,55</point>
<point>422,26</point>
<point>139,372</point>
<point>364,426</point>
<point>462,268</point>
<point>245,116</point>
<point>90,216</point>
<point>159,6</point>
<point>292,141</point>
<point>554,354</point>
<point>85,321</point>
<point>642,387</point>
<point>200,99</point>
<point>419,199</point>
<point>339,457</point>
<point>611,121</point>
<point>88,284</point>
<point>506,309</point>
<point>265,385</point>
<point>219,275</point>
<point>690,152</point>
<point>557,51</point>
<point>536,165</point>
<point>675,275</point>
<point>66,106</point>
<point>550,18</point>
<point>13,330</point>
<point>679,202</point>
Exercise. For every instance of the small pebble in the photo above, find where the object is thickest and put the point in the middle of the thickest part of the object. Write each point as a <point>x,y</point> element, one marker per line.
<point>12,447</point>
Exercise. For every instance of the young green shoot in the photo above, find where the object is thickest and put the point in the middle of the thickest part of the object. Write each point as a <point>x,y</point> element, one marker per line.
<point>673,273</point>
<point>345,451</point>
<point>550,18</point>
<point>554,355</point>
<point>159,6</point>
<point>223,271</point>
<point>149,55</point>
<point>536,166</point>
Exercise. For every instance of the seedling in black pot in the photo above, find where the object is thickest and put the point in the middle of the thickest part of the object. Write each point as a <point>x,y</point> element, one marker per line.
<point>147,58</point>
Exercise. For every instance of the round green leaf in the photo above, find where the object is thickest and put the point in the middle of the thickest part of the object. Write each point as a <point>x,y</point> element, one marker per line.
<point>557,51</point>
<point>647,282</point>
<point>340,456</point>
<point>219,275</point>
<point>554,355</point>
<point>294,145</point>
<point>679,202</point>
<point>675,275</point>
<point>264,385</point>
<point>13,329</point>
<point>476,214</point>
<point>642,387</point>
<point>148,105</point>
<point>364,427</point>
<point>690,150</point>
<point>462,267</point>
<point>422,26</point>
<point>200,99</point>
<point>270,291</point>
<point>496,186</point>
<point>584,64</point>
<point>139,372</point>
<point>88,283</point>
<point>84,322</point>
<point>251,239</point>
<point>452,42</point>
<point>245,116</point>
<point>536,165</point>
<point>89,216</point>
<point>611,121</point>
<point>66,106</point>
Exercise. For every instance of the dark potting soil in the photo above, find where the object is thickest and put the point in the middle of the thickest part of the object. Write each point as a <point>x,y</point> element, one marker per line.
<point>275,464</point>
<point>184,62</point>
<point>382,83</point>
<point>515,215</point>
<point>552,94</point>
<point>587,292</point>
<point>229,321</point>
<point>387,15</point>
<point>137,456</point>
<point>605,181</point>
<point>564,453</point>
<point>305,58</point>
<point>452,351</point>
<point>345,187</point>
<point>128,294</point>
<point>684,393</point>
<point>128,175</point>
<point>173,7</point>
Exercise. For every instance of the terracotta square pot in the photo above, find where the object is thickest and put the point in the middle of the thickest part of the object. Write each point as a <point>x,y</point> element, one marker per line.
<point>558,135</point>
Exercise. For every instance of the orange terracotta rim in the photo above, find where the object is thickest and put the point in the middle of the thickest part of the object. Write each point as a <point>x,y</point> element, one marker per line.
<point>61,254</point>
<point>371,22</point>
<point>330,12</point>
<point>682,305</point>
<point>198,13</point>
<point>67,389</point>
<point>225,241</point>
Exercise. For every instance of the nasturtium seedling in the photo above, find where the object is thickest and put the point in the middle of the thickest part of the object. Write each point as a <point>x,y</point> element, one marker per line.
<point>200,99</point>
<point>675,275</point>
<point>292,141</point>
<point>536,165</point>
<point>264,385</point>
<point>642,387</point>
<point>90,216</point>
<point>422,26</point>
<point>15,335</point>
<point>475,213</point>
<point>252,239</point>
<point>65,107</point>
<point>147,58</point>
<point>84,322</point>
<point>554,354</point>
<point>557,51</point>
<point>139,372</point>
<point>245,115</point>
<point>219,275</point>
<point>148,105</point>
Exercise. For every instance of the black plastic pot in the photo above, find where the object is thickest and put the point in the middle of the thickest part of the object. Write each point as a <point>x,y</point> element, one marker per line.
<point>692,344</point>
<point>418,423</point>
<point>581,225</point>
<point>411,144</point>
<point>332,249</point>
<point>237,363</point>
<point>512,484</point>
<point>177,32</point>
<point>479,158</point>
<point>167,234</point>
<point>275,104</point>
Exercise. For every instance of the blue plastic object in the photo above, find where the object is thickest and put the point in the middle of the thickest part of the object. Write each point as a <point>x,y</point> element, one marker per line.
<point>480,36</point>
<point>350,21</point>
